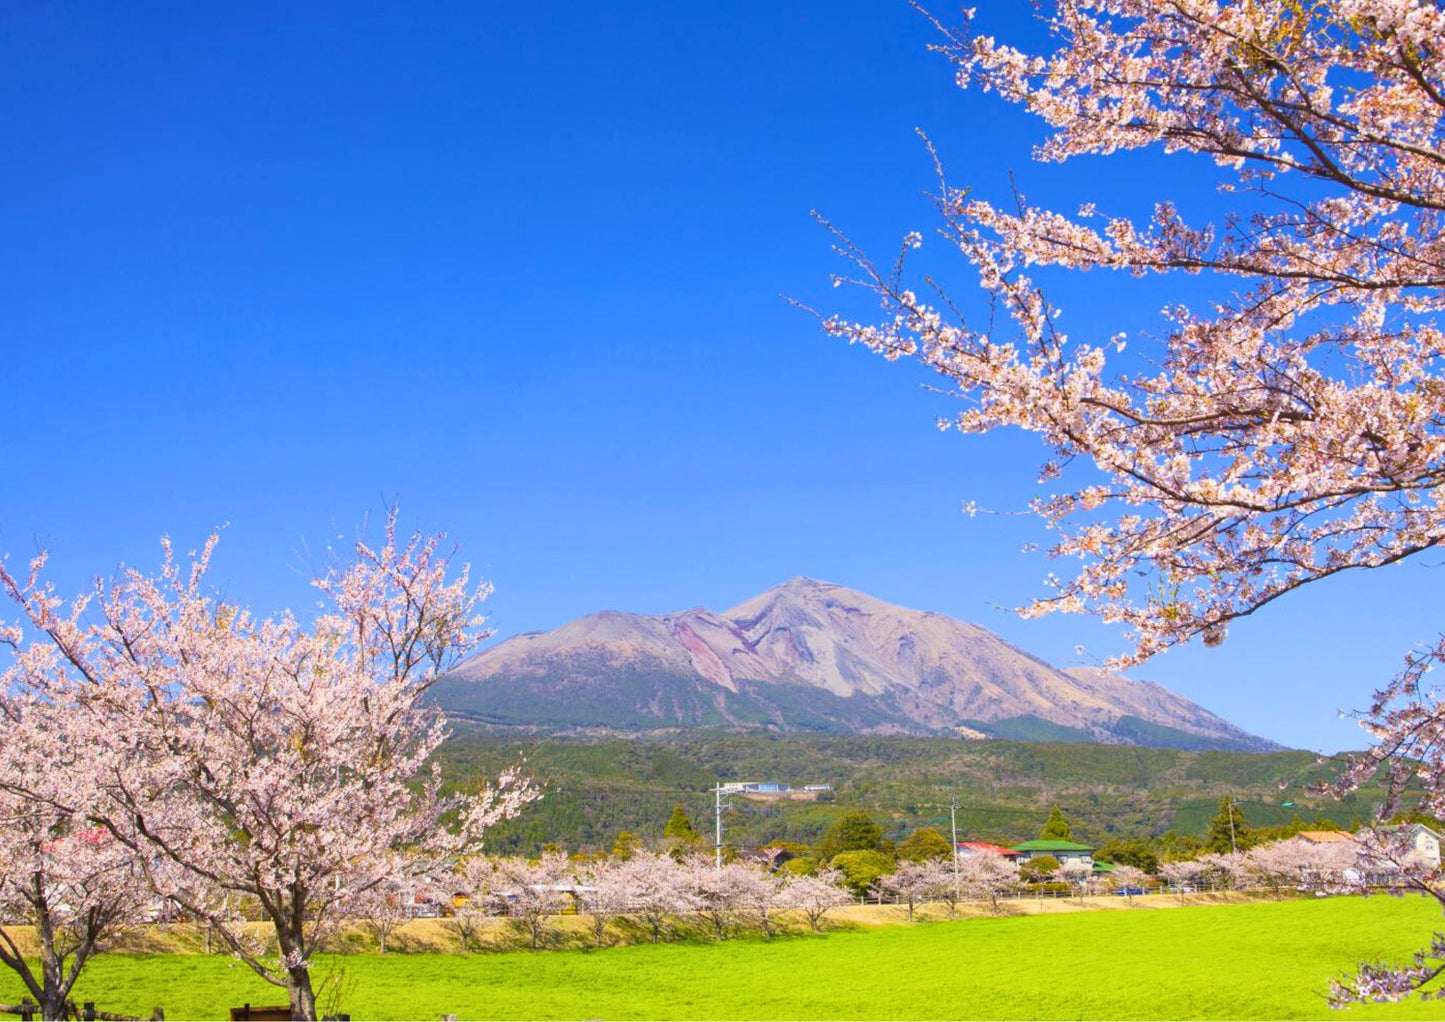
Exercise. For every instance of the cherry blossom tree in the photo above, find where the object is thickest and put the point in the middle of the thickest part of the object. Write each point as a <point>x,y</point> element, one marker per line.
<point>73,884</point>
<point>1286,422</point>
<point>815,896</point>
<point>469,888</point>
<point>1224,870</point>
<point>535,890</point>
<point>656,887</point>
<point>282,762</point>
<point>987,876</point>
<point>380,910</point>
<point>1185,875</point>
<point>1276,865</point>
<point>719,893</point>
<point>912,882</point>
<point>759,894</point>
<point>1126,880</point>
<point>605,895</point>
<point>1078,875</point>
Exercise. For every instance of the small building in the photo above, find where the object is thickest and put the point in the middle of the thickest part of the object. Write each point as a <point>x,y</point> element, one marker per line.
<point>817,787</point>
<point>756,787</point>
<point>967,848</point>
<point>1326,837</point>
<point>1064,851</point>
<point>1422,842</point>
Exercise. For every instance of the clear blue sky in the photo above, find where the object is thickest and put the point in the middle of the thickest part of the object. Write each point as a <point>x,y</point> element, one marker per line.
<point>518,266</point>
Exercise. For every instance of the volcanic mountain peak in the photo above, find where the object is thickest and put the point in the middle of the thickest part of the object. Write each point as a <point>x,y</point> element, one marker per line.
<point>811,655</point>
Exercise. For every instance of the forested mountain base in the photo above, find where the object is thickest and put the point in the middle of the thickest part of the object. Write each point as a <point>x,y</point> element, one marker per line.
<point>598,788</point>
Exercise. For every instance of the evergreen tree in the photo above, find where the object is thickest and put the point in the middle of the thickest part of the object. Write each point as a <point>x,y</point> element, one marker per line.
<point>1133,852</point>
<point>679,828</point>
<point>1228,830</point>
<point>1057,829</point>
<point>626,846</point>
<point>924,844</point>
<point>855,832</point>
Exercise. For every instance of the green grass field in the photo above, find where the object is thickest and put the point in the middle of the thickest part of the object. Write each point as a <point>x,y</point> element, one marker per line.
<point>1270,961</point>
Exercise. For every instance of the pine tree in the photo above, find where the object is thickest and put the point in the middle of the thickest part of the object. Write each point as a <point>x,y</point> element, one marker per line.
<point>1057,829</point>
<point>1228,830</point>
<point>679,827</point>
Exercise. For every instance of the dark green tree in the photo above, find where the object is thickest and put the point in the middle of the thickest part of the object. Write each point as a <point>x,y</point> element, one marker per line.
<point>1228,830</point>
<point>862,868</point>
<point>924,844</point>
<point>1037,869</point>
<point>1130,852</point>
<point>1057,828</point>
<point>855,832</point>
<point>679,829</point>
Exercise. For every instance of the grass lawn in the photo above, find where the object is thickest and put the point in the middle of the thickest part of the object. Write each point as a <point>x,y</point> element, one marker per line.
<point>1269,961</point>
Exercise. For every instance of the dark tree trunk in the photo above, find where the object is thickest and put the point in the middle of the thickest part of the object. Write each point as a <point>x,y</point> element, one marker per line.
<point>303,999</point>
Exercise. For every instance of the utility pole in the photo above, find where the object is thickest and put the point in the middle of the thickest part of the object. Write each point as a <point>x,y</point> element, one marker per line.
<point>953,827</point>
<point>1233,845</point>
<point>717,817</point>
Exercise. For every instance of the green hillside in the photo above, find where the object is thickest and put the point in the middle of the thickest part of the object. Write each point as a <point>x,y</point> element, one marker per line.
<point>596,788</point>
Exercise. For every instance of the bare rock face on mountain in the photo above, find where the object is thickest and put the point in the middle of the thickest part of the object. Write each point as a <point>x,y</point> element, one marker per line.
<point>809,655</point>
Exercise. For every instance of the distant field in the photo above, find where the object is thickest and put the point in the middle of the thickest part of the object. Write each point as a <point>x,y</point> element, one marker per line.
<point>1269,960</point>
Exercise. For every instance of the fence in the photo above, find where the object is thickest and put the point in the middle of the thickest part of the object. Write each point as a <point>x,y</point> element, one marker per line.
<point>28,1010</point>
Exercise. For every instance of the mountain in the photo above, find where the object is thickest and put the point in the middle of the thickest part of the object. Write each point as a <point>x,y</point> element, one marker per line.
<point>812,656</point>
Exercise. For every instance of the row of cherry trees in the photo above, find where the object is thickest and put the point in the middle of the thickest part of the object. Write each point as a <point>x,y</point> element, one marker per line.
<point>657,890</point>
<point>164,746</point>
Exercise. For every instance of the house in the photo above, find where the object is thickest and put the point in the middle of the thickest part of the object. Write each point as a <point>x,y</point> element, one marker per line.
<point>1326,837</point>
<point>967,848</point>
<point>1064,851</point>
<point>756,788</point>
<point>1423,843</point>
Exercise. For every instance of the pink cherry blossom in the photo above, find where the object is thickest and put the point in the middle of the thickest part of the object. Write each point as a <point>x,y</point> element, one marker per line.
<point>288,764</point>
<point>1289,426</point>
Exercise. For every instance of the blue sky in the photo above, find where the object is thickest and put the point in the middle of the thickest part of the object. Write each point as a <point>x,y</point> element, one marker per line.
<point>518,267</point>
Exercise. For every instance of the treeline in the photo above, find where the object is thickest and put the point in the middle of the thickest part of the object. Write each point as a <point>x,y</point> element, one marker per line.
<point>598,788</point>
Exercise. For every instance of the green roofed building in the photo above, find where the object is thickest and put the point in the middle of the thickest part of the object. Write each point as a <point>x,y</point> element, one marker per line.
<point>1064,851</point>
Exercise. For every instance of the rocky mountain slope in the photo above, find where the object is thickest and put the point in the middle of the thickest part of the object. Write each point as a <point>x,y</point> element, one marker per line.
<point>812,656</point>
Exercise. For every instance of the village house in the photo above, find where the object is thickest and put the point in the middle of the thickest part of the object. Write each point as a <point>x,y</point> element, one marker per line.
<point>1064,851</point>
<point>968,848</point>
<point>1424,843</point>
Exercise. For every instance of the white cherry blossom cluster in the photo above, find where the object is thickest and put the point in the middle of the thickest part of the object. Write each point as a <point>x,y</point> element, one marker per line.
<point>263,759</point>
<point>1285,429</point>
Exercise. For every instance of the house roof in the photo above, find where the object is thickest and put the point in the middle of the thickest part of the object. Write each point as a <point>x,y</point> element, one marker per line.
<point>1327,837</point>
<point>1411,827</point>
<point>984,846</point>
<point>1052,846</point>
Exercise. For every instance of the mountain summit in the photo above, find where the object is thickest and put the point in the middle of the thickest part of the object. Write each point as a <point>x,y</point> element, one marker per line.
<point>813,656</point>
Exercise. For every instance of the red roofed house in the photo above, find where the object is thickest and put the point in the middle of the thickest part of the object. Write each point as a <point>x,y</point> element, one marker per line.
<point>982,848</point>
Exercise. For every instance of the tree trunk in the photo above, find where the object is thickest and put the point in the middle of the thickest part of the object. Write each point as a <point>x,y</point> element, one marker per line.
<point>303,1000</point>
<point>53,988</point>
